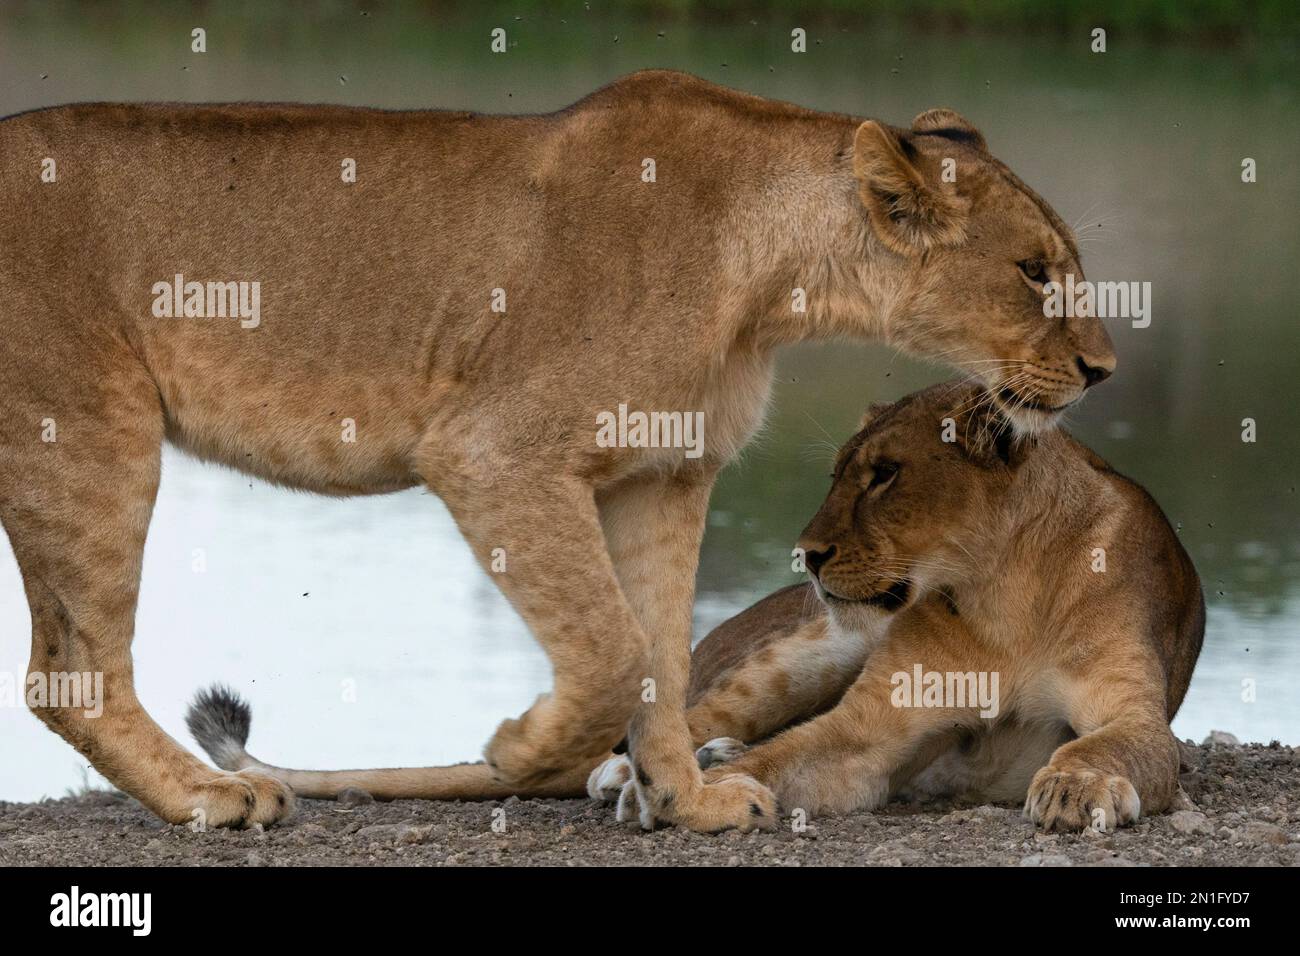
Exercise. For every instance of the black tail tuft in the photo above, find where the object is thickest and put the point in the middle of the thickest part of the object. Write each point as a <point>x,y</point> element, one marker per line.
<point>220,720</point>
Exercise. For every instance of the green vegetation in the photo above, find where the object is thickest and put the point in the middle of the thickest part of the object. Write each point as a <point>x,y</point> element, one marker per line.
<point>1203,21</point>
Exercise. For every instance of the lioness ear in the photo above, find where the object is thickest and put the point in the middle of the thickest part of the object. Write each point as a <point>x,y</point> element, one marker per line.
<point>872,413</point>
<point>907,213</point>
<point>989,440</point>
<point>951,125</point>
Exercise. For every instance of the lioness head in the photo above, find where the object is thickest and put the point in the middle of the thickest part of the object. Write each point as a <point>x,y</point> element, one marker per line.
<point>980,246</point>
<point>921,479</point>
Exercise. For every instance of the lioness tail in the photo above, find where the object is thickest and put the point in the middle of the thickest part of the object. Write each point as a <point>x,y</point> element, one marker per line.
<point>220,721</point>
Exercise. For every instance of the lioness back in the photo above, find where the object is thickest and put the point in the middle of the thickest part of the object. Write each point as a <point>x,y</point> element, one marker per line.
<point>382,299</point>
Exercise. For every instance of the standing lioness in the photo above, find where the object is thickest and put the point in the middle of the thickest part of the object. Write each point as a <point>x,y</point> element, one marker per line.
<point>459,316</point>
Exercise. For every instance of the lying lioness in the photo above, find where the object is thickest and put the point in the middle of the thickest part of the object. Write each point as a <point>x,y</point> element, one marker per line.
<point>1026,567</point>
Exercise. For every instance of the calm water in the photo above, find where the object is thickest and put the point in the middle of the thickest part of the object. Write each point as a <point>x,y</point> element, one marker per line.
<point>307,603</point>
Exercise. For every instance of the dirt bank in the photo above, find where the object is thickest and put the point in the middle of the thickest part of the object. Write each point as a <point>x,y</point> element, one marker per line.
<point>1247,813</point>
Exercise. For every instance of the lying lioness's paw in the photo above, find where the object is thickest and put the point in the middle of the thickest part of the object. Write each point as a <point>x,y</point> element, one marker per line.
<point>607,781</point>
<point>1078,799</point>
<point>719,750</point>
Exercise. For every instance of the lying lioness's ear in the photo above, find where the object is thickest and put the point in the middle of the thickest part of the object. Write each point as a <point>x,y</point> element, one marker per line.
<point>908,213</point>
<point>951,125</point>
<point>989,440</point>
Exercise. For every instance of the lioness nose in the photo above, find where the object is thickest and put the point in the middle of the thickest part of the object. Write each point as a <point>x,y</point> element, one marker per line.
<point>816,559</point>
<point>1092,374</point>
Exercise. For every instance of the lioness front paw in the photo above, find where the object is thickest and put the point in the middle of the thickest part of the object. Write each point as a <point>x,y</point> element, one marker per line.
<point>719,750</point>
<point>607,781</point>
<point>721,800</point>
<point>1078,799</point>
<point>728,801</point>
<point>236,800</point>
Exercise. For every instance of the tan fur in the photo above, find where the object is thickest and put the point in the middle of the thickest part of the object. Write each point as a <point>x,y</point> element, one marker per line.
<point>376,308</point>
<point>781,661</point>
<point>996,539</point>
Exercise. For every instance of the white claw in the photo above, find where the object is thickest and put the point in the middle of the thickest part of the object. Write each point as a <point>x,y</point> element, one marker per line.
<point>628,803</point>
<point>607,780</point>
<point>719,750</point>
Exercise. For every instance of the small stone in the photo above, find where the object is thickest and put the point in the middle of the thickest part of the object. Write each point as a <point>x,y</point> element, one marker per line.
<point>1047,859</point>
<point>406,833</point>
<point>1190,821</point>
<point>895,854</point>
<point>1220,738</point>
<point>976,813</point>
<point>380,832</point>
<point>1259,833</point>
<point>352,797</point>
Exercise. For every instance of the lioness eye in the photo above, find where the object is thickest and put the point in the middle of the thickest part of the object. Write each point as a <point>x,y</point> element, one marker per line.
<point>1035,270</point>
<point>882,474</point>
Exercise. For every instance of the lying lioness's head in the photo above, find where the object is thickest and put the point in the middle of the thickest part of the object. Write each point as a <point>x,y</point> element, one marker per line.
<point>923,475</point>
<point>982,246</point>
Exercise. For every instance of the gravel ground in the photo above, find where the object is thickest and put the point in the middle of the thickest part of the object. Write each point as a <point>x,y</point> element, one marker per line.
<point>1247,813</point>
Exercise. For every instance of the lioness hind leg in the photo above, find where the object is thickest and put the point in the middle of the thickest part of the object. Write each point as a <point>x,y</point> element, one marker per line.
<point>80,445</point>
<point>773,665</point>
